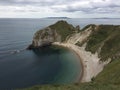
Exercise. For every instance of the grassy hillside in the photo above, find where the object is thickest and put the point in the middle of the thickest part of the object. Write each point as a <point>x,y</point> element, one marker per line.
<point>106,37</point>
<point>64,29</point>
<point>61,27</point>
<point>111,74</point>
<point>86,27</point>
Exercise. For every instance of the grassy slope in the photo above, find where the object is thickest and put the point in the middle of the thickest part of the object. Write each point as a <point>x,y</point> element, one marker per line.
<point>98,36</point>
<point>63,28</point>
<point>111,74</point>
<point>92,25</point>
<point>111,48</point>
<point>109,37</point>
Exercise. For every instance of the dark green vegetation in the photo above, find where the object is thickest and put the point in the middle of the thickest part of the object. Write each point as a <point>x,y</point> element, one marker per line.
<point>78,44</point>
<point>106,41</point>
<point>111,74</point>
<point>92,25</point>
<point>64,29</point>
<point>108,79</point>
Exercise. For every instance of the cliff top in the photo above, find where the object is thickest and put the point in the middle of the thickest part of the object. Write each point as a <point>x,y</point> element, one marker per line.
<point>63,28</point>
<point>105,39</point>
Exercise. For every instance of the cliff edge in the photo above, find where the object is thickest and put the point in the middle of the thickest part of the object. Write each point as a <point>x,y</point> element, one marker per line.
<point>97,45</point>
<point>57,32</point>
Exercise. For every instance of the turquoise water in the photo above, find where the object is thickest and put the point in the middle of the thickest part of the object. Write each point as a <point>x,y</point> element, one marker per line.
<point>50,65</point>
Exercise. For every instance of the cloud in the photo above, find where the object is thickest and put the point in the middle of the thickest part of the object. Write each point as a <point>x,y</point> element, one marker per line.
<point>33,2</point>
<point>67,6</point>
<point>87,6</point>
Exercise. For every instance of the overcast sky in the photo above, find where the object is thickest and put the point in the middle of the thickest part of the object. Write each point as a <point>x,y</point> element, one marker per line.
<point>59,8</point>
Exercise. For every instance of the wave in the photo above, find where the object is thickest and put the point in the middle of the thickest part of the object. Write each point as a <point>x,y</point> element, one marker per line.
<point>13,51</point>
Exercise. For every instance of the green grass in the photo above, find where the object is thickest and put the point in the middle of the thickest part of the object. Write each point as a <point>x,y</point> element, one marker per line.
<point>98,36</point>
<point>111,48</point>
<point>87,86</point>
<point>79,44</point>
<point>110,74</point>
<point>64,29</point>
<point>36,36</point>
<point>109,37</point>
<point>92,25</point>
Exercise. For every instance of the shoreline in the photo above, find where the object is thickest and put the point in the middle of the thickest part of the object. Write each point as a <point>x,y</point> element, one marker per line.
<point>90,63</point>
<point>82,67</point>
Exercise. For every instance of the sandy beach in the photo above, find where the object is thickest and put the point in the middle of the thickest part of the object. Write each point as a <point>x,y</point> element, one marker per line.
<point>90,62</point>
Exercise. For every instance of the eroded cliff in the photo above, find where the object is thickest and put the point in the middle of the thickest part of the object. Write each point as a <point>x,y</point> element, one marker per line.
<point>100,39</point>
<point>57,32</point>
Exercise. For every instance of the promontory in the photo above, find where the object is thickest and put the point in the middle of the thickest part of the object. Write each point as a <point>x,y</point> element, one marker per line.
<point>97,45</point>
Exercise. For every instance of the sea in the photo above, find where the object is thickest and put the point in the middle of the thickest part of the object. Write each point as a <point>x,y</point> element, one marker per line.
<point>21,68</point>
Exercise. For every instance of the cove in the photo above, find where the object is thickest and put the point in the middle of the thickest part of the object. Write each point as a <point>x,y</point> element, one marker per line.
<point>47,65</point>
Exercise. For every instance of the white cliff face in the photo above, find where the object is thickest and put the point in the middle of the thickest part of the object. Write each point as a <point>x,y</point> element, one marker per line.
<point>57,32</point>
<point>46,36</point>
<point>80,37</point>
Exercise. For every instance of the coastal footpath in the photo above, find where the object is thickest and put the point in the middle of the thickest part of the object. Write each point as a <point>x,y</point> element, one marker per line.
<point>98,47</point>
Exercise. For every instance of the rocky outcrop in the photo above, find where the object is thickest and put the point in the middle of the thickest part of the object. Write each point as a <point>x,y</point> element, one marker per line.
<point>96,38</point>
<point>45,37</point>
<point>57,32</point>
<point>81,36</point>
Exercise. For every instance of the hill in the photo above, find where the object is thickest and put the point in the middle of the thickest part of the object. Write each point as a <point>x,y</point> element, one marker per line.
<point>99,44</point>
<point>57,32</point>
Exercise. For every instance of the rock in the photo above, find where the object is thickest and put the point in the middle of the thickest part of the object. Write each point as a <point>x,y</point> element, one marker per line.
<point>57,32</point>
<point>78,27</point>
<point>45,37</point>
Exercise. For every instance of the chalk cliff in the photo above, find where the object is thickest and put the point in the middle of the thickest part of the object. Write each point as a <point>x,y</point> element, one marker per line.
<point>57,32</point>
<point>101,39</point>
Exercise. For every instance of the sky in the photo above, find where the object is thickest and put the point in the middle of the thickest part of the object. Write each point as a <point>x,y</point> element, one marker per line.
<point>59,8</point>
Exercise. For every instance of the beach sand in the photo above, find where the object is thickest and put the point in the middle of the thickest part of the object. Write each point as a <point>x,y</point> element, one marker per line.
<point>91,64</point>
